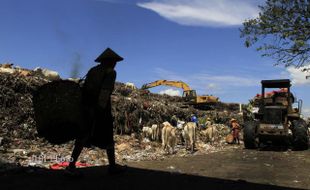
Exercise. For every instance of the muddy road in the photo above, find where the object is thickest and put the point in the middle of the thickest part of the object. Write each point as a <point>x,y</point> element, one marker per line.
<point>232,168</point>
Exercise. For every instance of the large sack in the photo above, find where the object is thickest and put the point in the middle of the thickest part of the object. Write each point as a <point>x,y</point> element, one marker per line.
<point>57,109</point>
<point>229,138</point>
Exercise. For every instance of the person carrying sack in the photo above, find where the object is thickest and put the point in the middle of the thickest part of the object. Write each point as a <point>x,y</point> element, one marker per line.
<point>97,127</point>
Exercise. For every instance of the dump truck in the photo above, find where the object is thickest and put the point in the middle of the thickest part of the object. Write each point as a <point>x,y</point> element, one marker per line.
<point>276,120</point>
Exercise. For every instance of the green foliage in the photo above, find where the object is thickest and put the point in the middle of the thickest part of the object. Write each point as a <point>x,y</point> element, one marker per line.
<point>202,120</point>
<point>281,31</point>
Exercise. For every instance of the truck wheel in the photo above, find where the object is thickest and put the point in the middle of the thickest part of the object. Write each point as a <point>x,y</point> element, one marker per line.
<point>249,135</point>
<point>300,135</point>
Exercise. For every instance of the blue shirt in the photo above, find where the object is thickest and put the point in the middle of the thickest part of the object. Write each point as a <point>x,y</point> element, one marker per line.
<point>194,119</point>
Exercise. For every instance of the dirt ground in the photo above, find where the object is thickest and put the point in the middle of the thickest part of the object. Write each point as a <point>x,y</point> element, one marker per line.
<point>232,168</point>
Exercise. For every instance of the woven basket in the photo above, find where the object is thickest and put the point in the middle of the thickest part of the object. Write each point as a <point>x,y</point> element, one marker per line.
<point>57,109</point>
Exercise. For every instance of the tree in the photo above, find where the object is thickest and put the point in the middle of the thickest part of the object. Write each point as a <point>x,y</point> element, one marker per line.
<point>281,31</point>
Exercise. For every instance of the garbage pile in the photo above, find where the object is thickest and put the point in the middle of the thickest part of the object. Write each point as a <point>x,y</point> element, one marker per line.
<point>132,109</point>
<point>16,113</point>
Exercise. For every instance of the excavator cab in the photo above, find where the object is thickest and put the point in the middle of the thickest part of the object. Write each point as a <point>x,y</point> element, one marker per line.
<point>189,95</point>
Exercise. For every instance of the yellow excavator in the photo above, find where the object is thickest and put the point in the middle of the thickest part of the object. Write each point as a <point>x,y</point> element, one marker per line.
<point>189,95</point>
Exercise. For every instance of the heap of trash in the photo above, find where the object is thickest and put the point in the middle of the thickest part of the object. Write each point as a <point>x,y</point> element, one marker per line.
<point>133,109</point>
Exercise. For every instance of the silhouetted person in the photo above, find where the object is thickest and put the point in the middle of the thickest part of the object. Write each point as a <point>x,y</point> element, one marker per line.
<point>97,129</point>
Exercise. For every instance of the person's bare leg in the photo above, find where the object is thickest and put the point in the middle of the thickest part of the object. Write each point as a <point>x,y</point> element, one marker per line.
<point>71,169</point>
<point>78,147</point>
<point>111,156</point>
<point>113,167</point>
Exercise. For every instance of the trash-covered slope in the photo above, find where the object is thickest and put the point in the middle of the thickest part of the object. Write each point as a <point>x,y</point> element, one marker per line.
<point>132,109</point>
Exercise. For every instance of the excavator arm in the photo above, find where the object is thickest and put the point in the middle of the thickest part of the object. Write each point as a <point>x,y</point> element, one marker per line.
<point>178,84</point>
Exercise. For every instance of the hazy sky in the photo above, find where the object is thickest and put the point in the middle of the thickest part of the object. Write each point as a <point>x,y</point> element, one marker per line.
<point>196,41</point>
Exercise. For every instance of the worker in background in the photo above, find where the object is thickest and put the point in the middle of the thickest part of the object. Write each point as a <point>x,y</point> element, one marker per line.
<point>194,119</point>
<point>174,121</point>
<point>235,130</point>
<point>97,128</point>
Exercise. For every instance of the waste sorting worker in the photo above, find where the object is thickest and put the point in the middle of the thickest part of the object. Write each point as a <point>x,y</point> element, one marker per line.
<point>97,127</point>
<point>235,130</point>
<point>194,119</point>
<point>174,121</point>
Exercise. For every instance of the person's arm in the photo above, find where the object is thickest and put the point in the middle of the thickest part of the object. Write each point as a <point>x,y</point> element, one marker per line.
<point>106,90</point>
